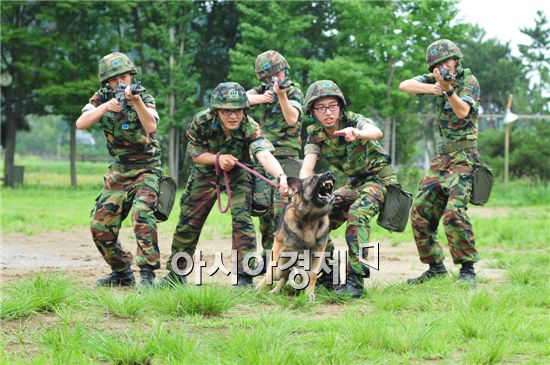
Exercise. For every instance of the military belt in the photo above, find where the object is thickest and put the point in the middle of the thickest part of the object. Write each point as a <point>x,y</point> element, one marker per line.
<point>363,177</point>
<point>117,167</point>
<point>447,147</point>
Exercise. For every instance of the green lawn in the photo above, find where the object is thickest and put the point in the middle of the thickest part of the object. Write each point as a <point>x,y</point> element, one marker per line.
<point>50,319</point>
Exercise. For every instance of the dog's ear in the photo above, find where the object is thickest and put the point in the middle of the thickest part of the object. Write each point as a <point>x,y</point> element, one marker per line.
<point>294,184</point>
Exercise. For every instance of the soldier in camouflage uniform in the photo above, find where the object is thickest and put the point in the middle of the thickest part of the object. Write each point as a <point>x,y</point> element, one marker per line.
<point>223,128</point>
<point>279,113</point>
<point>348,141</point>
<point>446,188</point>
<point>131,185</point>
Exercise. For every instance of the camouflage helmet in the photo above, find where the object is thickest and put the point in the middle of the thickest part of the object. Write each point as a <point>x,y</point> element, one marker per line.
<point>269,63</point>
<point>115,64</point>
<point>440,51</point>
<point>320,89</point>
<point>229,95</point>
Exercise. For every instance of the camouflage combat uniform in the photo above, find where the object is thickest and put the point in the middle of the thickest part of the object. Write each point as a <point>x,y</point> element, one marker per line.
<point>286,139</point>
<point>287,143</point>
<point>130,186</point>
<point>368,169</point>
<point>205,134</point>
<point>446,188</point>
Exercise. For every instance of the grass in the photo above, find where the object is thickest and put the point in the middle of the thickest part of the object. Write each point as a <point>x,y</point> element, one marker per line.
<point>42,293</point>
<point>55,320</point>
<point>211,300</point>
<point>439,321</point>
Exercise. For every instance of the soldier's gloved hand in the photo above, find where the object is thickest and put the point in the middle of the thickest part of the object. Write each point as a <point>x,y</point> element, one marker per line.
<point>227,162</point>
<point>112,105</point>
<point>349,133</point>
<point>268,97</point>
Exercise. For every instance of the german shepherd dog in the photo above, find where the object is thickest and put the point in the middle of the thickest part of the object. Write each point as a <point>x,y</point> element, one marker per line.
<point>304,226</point>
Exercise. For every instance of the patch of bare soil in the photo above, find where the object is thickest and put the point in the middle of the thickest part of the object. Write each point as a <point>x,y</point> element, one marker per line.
<point>75,254</point>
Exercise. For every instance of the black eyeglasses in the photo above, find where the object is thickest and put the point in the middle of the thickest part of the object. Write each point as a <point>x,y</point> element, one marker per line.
<point>323,109</point>
<point>228,112</point>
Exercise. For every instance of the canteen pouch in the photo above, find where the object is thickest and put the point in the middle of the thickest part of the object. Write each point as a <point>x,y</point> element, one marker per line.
<point>165,201</point>
<point>482,183</point>
<point>395,212</point>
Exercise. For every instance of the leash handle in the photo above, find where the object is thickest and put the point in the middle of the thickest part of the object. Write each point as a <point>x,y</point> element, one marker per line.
<point>218,187</point>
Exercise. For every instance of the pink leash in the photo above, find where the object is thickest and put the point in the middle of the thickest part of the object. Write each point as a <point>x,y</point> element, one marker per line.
<point>226,182</point>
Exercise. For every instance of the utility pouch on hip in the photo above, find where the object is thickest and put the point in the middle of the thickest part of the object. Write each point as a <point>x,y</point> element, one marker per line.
<point>165,201</point>
<point>482,183</point>
<point>395,212</point>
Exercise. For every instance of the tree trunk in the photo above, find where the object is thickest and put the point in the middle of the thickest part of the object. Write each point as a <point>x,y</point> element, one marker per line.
<point>73,155</point>
<point>389,120</point>
<point>9,153</point>
<point>11,125</point>
<point>172,141</point>
<point>387,134</point>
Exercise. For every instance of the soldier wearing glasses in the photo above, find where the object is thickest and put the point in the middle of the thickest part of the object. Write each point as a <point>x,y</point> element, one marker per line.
<point>222,128</point>
<point>348,141</point>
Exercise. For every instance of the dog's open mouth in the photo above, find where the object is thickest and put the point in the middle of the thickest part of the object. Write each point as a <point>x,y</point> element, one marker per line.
<point>326,189</point>
<point>323,192</point>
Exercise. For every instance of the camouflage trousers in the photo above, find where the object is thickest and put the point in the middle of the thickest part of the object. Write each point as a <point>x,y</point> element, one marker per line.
<point>269,221</point>
<point>195,205</point>
<point>445,192</point>
<point>357,205</point>
<point>135,192</point>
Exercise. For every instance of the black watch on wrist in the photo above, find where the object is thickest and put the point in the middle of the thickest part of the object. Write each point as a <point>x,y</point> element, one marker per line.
<point>279,178</point>
<point>450,92</point>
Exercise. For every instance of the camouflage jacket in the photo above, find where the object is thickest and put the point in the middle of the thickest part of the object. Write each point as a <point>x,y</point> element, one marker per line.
<point>205,134</point>
<point>285,138</point>
<point>450,126</point>
<point>127,141</point>
<point>352,158</point>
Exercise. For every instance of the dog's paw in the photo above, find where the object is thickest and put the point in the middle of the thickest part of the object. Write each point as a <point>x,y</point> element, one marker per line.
<point>311,297</point>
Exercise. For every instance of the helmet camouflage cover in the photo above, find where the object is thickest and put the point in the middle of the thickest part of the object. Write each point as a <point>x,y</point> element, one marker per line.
<point>269,63</point>
<point>320,89</point>
<point>440,51</point>
<point>114,64</point>
<point>229,95</point>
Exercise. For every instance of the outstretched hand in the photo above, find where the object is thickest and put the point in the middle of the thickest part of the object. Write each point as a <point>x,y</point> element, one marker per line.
<point>349,133</point>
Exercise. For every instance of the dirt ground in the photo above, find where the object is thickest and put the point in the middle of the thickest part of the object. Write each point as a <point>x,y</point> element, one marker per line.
<point>74,254</point>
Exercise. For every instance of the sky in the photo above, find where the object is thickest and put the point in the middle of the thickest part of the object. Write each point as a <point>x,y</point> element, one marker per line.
<point>502,19</point>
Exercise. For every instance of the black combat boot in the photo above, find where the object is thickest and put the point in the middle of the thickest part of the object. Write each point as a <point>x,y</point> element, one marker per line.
<point>172,279</point>
<point>118,278</point>
<point>467,274</point>
<point>353,287</point>
<point>244,281</point>
<point>147,277</point>
<point>326,281</point>
<point>435,270</point>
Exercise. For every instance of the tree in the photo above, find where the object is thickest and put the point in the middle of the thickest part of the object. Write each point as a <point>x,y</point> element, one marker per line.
<point>73,61</point>
<point>379,44</point>
<point>269,25</point>
<point>498,72</point>
<point>536,56</point>
<point>25,52</point>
